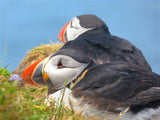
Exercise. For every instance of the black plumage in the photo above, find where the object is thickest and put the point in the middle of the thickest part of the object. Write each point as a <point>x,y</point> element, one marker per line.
<point>118,74</point>
<point>102,48</point>
<point>99,45</point>
<point>127,84</point>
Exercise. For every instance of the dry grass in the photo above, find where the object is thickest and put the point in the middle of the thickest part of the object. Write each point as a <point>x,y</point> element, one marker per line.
<point>38,53</point>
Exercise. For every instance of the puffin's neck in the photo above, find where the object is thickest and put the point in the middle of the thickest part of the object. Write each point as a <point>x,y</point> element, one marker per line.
<point>95,32</point>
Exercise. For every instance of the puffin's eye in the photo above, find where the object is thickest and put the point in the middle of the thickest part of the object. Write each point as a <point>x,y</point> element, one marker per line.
<point>74,25</point>
<point>71,26</point>
<point>60,65</point>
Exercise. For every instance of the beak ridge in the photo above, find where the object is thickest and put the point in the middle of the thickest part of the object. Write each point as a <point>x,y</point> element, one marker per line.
<point>27,74</point>
<point>61,35</point>
<point>34,73</point>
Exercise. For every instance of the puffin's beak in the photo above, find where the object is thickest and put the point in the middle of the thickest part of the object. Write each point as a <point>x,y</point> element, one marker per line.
<point>61,35</point>
<point>34,73</point>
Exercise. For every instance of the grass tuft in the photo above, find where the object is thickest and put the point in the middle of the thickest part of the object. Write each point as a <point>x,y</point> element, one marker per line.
<point>37,53</point>
<point>4,72</point>
<point>27,103</point>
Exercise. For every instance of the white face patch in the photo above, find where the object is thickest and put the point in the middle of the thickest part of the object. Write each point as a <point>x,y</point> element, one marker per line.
<point>74,29</point>
<point>69,71</point>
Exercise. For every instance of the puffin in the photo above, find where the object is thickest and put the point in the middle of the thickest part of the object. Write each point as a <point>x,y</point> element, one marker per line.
<point>86,38</point>
<point>92,34</point>
<point>107,74</point>
<point>103,90</point>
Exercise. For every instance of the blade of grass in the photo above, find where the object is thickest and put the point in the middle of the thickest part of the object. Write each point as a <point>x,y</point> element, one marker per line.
<point>4,54</point>
<point>60,108</point>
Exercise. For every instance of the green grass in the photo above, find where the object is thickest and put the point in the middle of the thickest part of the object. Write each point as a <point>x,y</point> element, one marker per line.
<point>4,54</point>
<point>21,103</point>
<point>4,72</point>
<point>27,102</point>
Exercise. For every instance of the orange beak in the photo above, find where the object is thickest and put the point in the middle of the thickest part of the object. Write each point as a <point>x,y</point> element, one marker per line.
<point>34,74</point>
<point>61,35</point>
<point>27,74</point>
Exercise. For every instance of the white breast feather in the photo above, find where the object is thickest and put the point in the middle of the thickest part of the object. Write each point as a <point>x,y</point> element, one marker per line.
<point>73,103</point>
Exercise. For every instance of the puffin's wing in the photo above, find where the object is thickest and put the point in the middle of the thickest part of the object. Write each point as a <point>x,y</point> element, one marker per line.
<point>117,80</point>
<point>119,49</point>
<point>112,44</point>
<point>145,97</point>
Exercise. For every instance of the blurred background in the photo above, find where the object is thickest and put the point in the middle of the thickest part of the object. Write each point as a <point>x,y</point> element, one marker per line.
<point>25,24</point>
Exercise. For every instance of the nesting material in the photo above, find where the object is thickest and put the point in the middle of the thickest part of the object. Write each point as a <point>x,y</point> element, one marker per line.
<point>37,53</point>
